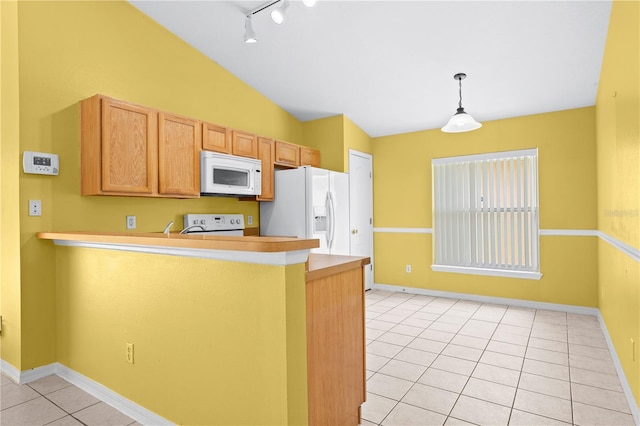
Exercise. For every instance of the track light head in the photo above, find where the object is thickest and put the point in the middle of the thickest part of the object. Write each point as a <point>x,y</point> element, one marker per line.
<point>249,34</point>
<point>277,14</point>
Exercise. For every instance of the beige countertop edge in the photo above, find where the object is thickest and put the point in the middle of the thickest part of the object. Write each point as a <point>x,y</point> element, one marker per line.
<point>323,265</point>
<point>248,249</point>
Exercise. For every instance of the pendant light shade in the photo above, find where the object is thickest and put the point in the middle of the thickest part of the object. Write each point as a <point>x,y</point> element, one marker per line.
<point>461,121</point>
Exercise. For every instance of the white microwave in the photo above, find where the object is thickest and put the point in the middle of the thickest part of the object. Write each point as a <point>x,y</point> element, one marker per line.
<point>222,174</point>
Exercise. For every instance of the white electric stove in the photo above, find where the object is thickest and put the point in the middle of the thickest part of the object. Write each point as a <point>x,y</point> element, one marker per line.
<point>214,224</point>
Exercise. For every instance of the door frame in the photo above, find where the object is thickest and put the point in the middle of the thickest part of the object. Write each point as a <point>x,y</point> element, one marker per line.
<point>353,152</point>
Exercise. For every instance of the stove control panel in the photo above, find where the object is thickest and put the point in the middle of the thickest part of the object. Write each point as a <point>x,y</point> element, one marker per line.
<point>214,222</point>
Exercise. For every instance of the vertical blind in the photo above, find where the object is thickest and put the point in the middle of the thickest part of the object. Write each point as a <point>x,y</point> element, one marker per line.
<point>485,211</point>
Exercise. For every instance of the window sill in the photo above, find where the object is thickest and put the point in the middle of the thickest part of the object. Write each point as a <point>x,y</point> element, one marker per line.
<point>489,272</point>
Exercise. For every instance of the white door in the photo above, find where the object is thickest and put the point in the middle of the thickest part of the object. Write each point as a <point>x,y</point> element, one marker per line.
<point>361,209</point>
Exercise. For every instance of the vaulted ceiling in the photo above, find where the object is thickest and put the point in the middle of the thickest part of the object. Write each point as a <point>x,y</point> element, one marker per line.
<point>389,65</point>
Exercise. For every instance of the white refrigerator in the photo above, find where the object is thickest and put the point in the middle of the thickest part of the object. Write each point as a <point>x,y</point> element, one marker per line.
<point>309,203</point>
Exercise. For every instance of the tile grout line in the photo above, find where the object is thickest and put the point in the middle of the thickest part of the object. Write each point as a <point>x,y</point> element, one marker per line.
<point>498,323</point>
<point>541,321</point>
<point>67,413</point>
<point>573,420</point>
<point>471,373</point>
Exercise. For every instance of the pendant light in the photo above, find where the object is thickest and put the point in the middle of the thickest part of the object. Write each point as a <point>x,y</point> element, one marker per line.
<point>461,121</point>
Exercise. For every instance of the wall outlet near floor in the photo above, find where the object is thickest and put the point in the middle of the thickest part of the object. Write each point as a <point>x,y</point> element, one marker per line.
<point>249,220</point>
<point>408,269</point>
<point>130,353</point>
<point>131,222</point>
<point>35,207</point>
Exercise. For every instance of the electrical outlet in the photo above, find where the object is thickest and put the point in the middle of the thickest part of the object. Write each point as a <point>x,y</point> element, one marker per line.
<point>130,353</point>
<point>131,222</point>
<point>35,207</point>
<point>408,269</point>
<point>249,220</point>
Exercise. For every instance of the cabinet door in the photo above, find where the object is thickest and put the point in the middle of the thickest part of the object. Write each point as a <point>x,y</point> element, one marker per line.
<point>287,154</point>
<point>128,148</point>
<point>178,156</point>
<point>266,153</point>
<point>309,157</point>
<point>244,144</point>
<point>335,348</point>
<point>216,138</point>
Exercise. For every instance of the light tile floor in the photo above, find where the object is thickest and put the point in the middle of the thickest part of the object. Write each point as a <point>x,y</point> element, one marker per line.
<point>435,361</point>
<point>54,401</point>
<point>430,361</point>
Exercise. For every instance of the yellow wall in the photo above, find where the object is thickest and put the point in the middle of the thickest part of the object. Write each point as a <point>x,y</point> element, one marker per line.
<point>10,344</point>
<point>355,138</point>
<point>567,182</point>
<point>618,148</point>
<point>70,51</point>
<point>214,342</point>
<point>327,135</point>
<point>334,136</point>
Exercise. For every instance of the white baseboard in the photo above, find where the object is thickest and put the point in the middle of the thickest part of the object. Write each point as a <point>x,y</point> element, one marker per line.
<point>582,310</point>
<point>10,371</point>
<point>635,411</point>
<point>130,408</point>
<point>633,405</point>
<point>27,376</point>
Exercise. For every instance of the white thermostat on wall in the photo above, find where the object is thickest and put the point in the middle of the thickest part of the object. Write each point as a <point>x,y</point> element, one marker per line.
<point>40,163</point>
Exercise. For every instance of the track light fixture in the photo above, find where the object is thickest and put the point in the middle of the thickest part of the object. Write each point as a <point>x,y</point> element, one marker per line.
<point>277,15</point>
<point>461,121</point>
<point>249,34</point>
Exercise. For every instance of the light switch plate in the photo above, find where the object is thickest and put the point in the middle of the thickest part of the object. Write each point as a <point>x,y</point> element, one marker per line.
<point>35,207</point>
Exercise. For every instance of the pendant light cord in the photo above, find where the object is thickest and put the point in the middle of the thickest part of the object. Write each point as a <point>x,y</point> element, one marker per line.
<point>460,92</point>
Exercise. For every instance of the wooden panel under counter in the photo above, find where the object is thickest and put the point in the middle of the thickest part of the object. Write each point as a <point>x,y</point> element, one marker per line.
<point>335,338</point>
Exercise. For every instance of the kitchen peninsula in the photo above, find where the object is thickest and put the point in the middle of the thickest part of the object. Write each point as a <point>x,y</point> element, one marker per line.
<point>223,328</point>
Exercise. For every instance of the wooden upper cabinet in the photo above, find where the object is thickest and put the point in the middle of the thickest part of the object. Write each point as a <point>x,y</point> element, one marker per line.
<point>244,144</point>
<point>118,148</point>
<point>287,154</point>
<point>309,157</point>
<point>132,150</point>
<point>266,154</point>
<point>179,155</point>
<point>216,138</point>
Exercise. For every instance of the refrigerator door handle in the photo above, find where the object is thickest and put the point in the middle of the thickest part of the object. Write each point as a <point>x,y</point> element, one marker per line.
<point>332,212</point>
<point>327,206</point>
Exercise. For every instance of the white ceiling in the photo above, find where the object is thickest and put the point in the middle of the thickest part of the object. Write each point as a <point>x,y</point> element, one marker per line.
<point>389,65</point>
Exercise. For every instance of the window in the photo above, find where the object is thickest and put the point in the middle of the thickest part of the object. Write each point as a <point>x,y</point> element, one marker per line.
<point>485,214</point>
